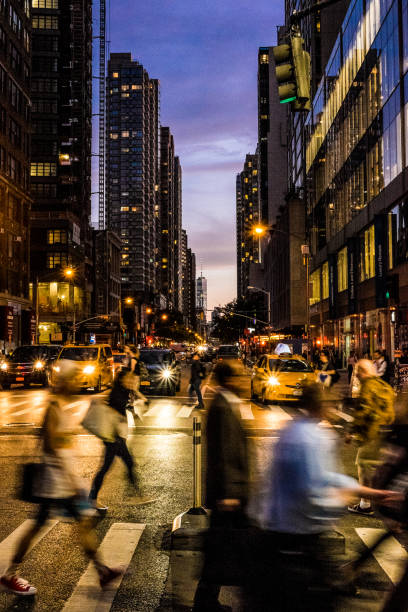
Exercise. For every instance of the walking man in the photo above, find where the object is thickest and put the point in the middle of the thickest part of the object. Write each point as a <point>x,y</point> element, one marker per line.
<point>196,376</point>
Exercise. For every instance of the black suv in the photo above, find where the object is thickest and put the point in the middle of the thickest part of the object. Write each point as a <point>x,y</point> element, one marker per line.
<point>29,364</point>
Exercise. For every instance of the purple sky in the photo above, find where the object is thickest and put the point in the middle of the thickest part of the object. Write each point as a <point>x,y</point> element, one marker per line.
<point>204,52</point>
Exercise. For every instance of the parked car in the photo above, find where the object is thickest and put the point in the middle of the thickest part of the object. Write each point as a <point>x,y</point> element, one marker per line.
<point>96,364</point>
<point>280,377</point>
<point>28,364</point>
<point>163,369</point>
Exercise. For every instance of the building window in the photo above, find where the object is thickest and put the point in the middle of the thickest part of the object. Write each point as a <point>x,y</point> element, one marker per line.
<point>325,280</point>
<point>43,169</point>
<point>57,260</point>
<point>45,22</point>
<point>367,254</point>
<point>125,134</point>
<point>44,190</point>
<point>124,209</point>
<point>56,236</point>
<point>45,4</point>
<point>115,75</point>
<point>45,64</point>
<point>342,275</point>
<point>44,85</point>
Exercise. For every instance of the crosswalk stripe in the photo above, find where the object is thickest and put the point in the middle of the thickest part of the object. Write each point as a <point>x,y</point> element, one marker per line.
<point>8,545</point>
<point>154,410</point>
<point>117,549</point>
<point>246,412</point>
<point>277,414</point>
<point>184,412</point>
<point>390,555</point>
<point>15,405</point>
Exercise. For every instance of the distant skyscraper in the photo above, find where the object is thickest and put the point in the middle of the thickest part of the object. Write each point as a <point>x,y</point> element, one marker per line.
<point>132,173</point>
<point>188,274</point>
<point>61,92</point>
<point>202,295</point>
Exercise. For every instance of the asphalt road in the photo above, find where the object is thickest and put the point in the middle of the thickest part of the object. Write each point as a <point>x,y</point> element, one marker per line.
<point>139,536</point>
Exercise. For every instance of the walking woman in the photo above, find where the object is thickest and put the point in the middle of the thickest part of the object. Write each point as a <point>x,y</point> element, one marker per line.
<point>59,486</point>
<point>351,362</point>
<point>120,401</point>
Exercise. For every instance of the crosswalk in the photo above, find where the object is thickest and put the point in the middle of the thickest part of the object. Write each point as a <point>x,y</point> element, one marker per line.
<point>119,547</point>
<point>15,411</point>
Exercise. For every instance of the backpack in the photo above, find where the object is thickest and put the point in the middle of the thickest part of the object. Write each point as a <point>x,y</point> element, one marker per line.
<point>392,474</point>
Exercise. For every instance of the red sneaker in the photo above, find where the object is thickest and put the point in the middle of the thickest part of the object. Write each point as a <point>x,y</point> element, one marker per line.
<point>17,585</point>
<point>107,574</point>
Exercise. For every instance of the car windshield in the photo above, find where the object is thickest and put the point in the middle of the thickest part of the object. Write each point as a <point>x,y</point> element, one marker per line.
<point>228,350</point>
<point>155,357</point>
<point>289,365</point>
<point>33,353</point>
<point>79,353</point>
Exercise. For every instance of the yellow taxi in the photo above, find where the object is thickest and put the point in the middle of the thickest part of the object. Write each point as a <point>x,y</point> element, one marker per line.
<point>95,364</point>
<point>280,377</point>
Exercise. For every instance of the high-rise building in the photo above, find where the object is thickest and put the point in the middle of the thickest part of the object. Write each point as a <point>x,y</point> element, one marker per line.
<point>356,164</point>
<point>61,89</point>
<point>188,277</point>
<point>106,295</point>
<point>16,319</point>
<point>248,218</point>
<point>201,301</point>
<point>177,246</point>
<point>132,175</point>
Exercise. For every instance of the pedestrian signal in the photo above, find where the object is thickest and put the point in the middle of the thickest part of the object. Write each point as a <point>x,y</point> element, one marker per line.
<point>293,72</point>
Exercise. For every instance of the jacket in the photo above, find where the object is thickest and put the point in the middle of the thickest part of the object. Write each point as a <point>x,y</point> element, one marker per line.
<point>227,474</point>
<point>197,372</point>
<point>374,409</point>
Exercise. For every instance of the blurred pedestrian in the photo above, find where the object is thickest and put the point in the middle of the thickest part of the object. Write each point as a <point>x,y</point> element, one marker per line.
<point>227,476</point>
<point>306,495</point>
<point>120,401</point>
<point>382,366</point>
<point>196,376</point>
<point>134,366</point>
<point>327,373</point>
<point>373,410</point>
<point>59,486</point>
<point>351,362</point>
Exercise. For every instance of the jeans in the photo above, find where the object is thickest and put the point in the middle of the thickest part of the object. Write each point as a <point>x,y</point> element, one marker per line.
<point>195,387</point>
<point>112,450</point>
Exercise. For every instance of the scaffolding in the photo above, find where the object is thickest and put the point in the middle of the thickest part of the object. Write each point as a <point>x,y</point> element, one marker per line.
<point>102,111</point>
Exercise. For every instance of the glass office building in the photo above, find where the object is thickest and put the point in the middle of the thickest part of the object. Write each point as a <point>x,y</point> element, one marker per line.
<point>356,183</point>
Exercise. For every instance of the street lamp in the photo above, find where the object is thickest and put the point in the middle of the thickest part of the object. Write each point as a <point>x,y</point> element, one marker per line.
<point>70,273</point>
<point>164,317</point>
<point>268,294</point>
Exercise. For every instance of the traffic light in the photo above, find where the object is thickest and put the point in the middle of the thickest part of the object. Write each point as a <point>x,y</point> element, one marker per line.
<point>392,288</point>
<point>293,72</point>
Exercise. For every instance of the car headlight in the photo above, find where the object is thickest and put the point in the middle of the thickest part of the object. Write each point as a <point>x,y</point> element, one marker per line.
<point>89,369</point>
<point>4,366</point>
<point>273,381</point>
<point>56,368</point>
<point>166,374</point>
<point>38,365</point>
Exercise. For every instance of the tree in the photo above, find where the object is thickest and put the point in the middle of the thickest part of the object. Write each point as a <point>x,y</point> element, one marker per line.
<point>236,316</point>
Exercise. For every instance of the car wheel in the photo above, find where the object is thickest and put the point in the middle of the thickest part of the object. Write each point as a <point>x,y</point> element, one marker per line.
<point>6,386</point>
<point>98,387</point>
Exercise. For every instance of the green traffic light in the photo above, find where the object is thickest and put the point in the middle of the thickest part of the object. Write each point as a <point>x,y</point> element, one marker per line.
<point>387,295</point>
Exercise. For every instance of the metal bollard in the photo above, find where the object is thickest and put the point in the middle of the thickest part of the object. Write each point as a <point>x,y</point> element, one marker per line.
<point>197,493</point>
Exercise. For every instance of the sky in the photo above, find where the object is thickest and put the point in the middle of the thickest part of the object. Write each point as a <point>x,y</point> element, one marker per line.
<point>204,52</point>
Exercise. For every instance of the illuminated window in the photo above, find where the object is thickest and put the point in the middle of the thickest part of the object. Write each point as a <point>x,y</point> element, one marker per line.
<point>113,136</point>
<point>45,4</point>
<point>57,236</point>
<point>43,169</point>
<point>125,134</point>
<point>264,58</point>
<point>325,280</point>
<point>264,116</point>
<point>342,274</point>
<point>124,209</point>
<point>124,95</point>
<point>125,87</point>
<point>115,75</point>
<point>136,87</point>
<point>45,22</point>
<point>57,260</point>
<point>367,254</point>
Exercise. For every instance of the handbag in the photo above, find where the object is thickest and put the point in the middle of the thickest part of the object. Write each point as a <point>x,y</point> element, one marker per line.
<point>31,476</point>
<point>101,420</point>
